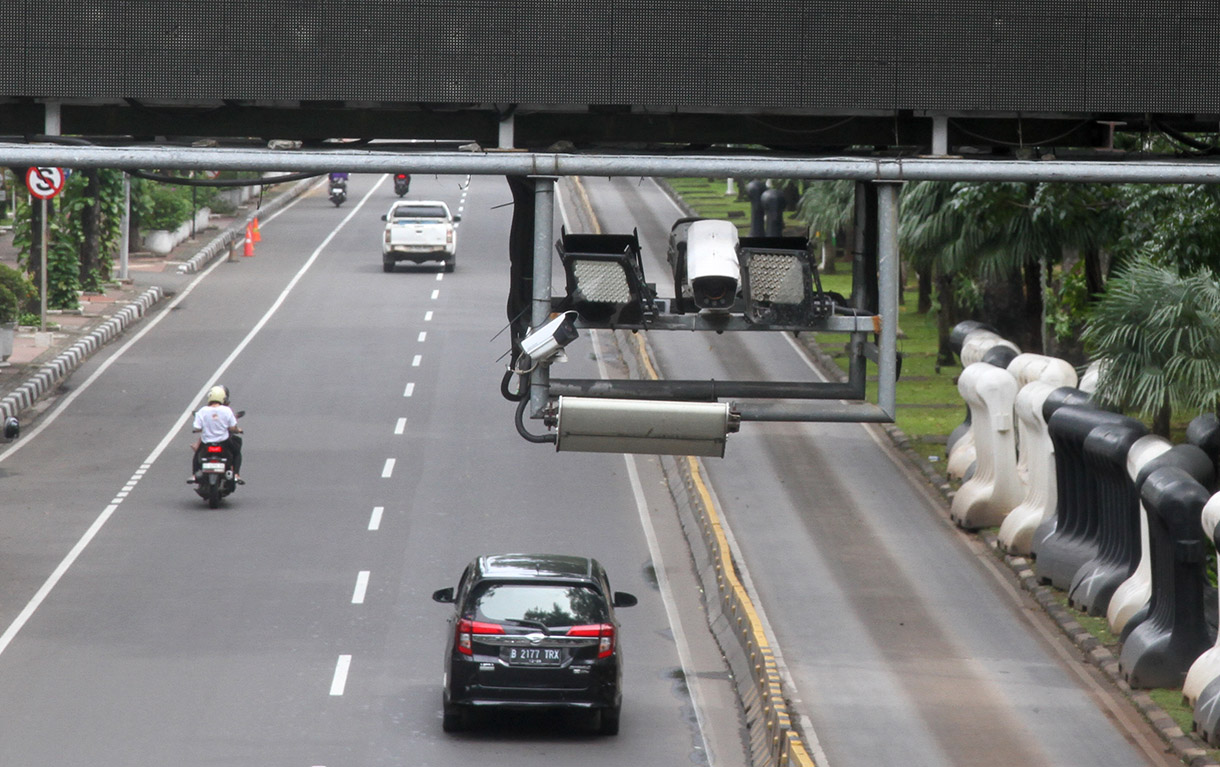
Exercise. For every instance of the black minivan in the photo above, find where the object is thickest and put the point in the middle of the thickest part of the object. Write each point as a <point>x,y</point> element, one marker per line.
<point>533,631</point>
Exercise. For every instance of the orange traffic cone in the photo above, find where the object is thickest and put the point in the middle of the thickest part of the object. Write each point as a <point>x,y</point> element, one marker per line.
<point>249,251</point>
<point>257,237</point>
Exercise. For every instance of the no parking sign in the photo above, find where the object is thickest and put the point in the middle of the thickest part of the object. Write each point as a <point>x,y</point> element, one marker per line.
<point>44,182</point>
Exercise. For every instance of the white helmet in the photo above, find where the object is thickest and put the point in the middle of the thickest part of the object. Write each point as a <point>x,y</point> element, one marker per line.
<point>218,394</point>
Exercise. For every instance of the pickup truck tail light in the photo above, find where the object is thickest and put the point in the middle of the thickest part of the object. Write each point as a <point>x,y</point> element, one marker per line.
<point>449,236</point>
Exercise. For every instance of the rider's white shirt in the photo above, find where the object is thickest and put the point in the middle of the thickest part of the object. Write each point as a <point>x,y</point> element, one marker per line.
<point>214,422</point>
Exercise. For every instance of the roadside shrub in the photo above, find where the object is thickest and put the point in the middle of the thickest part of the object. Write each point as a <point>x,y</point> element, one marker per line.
<point>164,206</point>
<point>15,293</point>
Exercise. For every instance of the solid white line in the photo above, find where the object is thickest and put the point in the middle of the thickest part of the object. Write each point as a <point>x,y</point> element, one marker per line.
<point>435,294</point>
<point>416,360</point>
<point>362,585</point>
<point>340,680</point>
<point>388,469</point>
<point>375,518</point>
<point>23,617</point>
<point>409,390</point>
<point>423,335</point>
<point>427,316</point>
<point>401,426</point>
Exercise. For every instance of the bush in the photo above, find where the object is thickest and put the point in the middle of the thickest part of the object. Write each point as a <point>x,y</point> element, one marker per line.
<point>165,206</point>
<point>15,292</point>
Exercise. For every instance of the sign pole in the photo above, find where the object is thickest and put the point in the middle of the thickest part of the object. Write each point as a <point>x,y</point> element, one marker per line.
<point>42,317</point>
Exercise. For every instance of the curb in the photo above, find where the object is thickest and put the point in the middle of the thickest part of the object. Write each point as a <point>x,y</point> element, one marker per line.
<point>54,372</point>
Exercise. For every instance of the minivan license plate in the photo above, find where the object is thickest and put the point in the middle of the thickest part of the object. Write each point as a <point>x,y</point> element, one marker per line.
<point>532,656</point>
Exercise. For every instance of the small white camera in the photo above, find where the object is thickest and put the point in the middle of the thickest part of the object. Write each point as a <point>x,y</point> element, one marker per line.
<point>712,270</point>
<point>549,339</point>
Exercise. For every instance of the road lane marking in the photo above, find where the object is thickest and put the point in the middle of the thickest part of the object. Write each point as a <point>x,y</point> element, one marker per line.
<point>435,294</point>
<point>416,360</point>
<point>388,469</point>
<point>427,316</point>
<point>362,586</point>
<point>40,596</point>
<point>340,679</point>
<point>401,426</point>
<point>409,390</point>
<point>423,335</point>
<point>375,517</point>
<point>440,276</point>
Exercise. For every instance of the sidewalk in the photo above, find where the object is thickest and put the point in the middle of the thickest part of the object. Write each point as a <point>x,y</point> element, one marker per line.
<point>41,361</point>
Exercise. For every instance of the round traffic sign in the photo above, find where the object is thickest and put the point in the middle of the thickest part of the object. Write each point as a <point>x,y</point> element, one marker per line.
<point>44,183</point>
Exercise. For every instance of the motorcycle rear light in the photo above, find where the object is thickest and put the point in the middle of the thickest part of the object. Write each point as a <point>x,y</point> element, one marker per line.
<point>604,632</point>
<point>400,176</point>
<point>215,449</point>
<point>466,628</point>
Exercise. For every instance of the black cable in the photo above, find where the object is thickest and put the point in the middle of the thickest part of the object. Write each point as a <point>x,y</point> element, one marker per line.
<point>511,396</point>
<point>537,439</point>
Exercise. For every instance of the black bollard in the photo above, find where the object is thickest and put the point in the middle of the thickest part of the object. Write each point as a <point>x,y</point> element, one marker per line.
<point>1158,653</point>
<point>1194,462</point>
<point>773,212</point>
<point>1114,521</point>
<point>1064,542</point>
<point>754,190</point>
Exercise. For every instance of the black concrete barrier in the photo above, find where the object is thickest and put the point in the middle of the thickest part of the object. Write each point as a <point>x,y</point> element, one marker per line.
<point>1064,542</point>
<point>1114,519</point>
<point>1160,650</point>
<point>1197,465</point>
<point>1204,432</point>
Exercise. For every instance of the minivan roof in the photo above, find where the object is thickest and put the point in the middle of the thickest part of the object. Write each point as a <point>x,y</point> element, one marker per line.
<point>531,566</point>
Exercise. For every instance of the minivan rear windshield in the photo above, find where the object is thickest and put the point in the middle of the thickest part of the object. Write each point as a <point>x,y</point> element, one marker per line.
<point>551,605</point>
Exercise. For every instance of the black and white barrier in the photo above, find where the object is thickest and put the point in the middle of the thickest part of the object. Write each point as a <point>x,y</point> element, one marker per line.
<point>1132,594</point>
<point>1206,667</point>
<point>957,337</point>
<point>1161,649</point>
<point>1115,517</point>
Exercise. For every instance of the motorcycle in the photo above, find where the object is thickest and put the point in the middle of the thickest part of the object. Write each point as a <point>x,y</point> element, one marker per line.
<point>212,469</point>
<point>402,183</point>
<point>338,192</point>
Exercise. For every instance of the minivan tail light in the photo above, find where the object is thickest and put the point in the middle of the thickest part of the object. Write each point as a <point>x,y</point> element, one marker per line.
<point>466,628</point>
<point>603,631</point>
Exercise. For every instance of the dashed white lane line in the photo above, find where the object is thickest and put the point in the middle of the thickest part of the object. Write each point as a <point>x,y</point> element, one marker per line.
<point>423,336</point>
<point>401,426</point>
<point>388,469</point>
<point>416,360</point>
<point>339,682</point>
<point>427,316</point>
<point>362,586</point>
<point>440,276</point>
<point>375,517</point>
<point>407,392</point>
<point>436,294</point>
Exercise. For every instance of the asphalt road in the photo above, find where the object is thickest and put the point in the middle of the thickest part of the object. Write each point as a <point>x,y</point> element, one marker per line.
<point>293,626</point>
<point>903,642</point>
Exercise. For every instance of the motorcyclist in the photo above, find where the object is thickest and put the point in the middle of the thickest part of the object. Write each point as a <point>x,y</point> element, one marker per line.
<point>339,178</point>
<point>217,424</point>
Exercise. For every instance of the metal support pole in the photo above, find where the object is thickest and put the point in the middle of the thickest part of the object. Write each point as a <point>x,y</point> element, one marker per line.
<point>940,135</point>
<point>888,285</point>
<point>540,306</point>
<point>42,315</point>
<point>125,227</point>
<point>506,132</point>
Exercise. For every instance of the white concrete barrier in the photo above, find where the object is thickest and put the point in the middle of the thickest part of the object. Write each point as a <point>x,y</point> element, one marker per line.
<point>1039,503</point>
<point>994,490</point>
<point>963,453</point>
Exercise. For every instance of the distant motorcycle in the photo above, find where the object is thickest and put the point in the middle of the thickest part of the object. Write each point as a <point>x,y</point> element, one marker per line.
<point>212,468</point>
<point>402,183</point>
<point>338,192</point>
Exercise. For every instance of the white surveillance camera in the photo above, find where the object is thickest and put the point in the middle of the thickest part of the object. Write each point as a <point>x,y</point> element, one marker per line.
<point>712,270</point>
<point>549,339</point>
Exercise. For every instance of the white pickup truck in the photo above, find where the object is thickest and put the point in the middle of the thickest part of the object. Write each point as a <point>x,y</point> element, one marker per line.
<point>418,231</point>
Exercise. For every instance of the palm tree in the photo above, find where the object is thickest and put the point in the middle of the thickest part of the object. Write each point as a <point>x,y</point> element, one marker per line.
<point>1157,334</point>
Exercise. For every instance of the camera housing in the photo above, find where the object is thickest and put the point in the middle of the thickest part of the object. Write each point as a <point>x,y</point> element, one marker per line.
<point>542,344</point>
<point>712,269</point>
